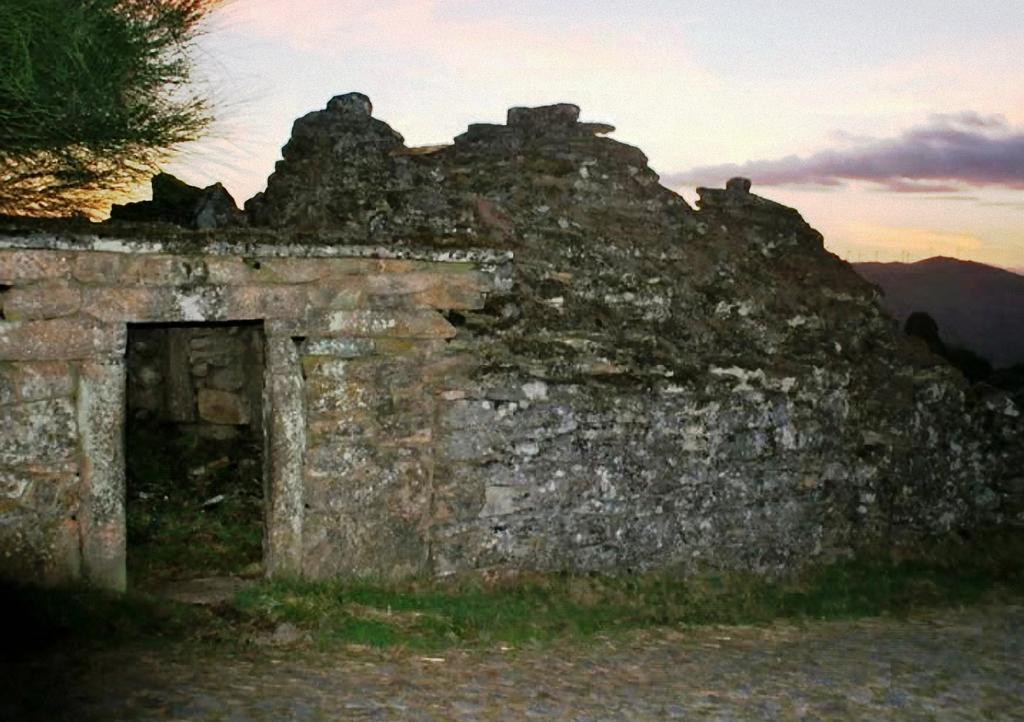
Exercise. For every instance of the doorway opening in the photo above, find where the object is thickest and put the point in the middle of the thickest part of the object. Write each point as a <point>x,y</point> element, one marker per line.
<point>194,452</point>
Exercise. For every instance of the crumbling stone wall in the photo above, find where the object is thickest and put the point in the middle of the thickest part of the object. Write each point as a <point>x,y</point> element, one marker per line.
<point>661,385</point>
<point>518,350</point>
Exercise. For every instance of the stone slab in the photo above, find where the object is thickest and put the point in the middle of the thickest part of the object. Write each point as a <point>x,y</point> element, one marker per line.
<point>60,339</point>
<point>285,449</point>
<point>41,300</point>
<point>18,266</point>
<point>101,404</point>
<point>376,324</point>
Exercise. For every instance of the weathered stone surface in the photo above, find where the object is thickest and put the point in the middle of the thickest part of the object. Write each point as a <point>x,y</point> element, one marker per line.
<point>101,405</point>
<point>160,304</point>
<point>627,382</point>
<point>104,268</point>
<point>20,266</point>
<point>223,407</point>
<point>373,324</point>
<point>263,302</point>
<point>703,371</point>
<point>175,201</point>
<point>59,339</point>
<point>40,433</point>
<point>285,453</point>
<point>40,301</point>
<point>338,347</point>
<point>35,381</point>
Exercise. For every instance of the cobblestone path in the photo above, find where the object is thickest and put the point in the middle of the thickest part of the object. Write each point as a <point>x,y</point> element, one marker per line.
<point>949,665</point>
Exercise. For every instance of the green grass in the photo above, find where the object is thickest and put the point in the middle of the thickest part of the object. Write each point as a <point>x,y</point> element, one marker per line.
<point>534,608</point>
<point>540,608</point>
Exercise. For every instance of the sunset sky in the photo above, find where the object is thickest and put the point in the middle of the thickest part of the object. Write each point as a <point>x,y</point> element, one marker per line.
<point>896,128</point>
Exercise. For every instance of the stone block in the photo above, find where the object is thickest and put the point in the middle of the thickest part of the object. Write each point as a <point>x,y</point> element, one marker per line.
<point>15,484</point>
<point>461,292</point>
<point>285,451</point>
<point>330,392</point>
<point>376,530</point>
<point>29,265</point>
<point>35,381</point>
<point>38,549</point>
<point>404,265</point>
<point>54,494</point>
<point>228,270</point>
<point>155,304</point>
<point>60,339</point>
<point>217,432</point>
<point>180,395</point>
<point>422,289</point>
<point>338,347</point>
<point>293,270</point>
<point>228,378</point>
<point>223,407</point>
<point>96,267</point>
<point>41,300</point>
<point>347,293</point>
<point>128,304</point>
<point>160,270</point>
<point>384,324</point>
<point>342,267</point>
<point>400,284</point>
<point>100,412</point>
<point>282,355</point>
<point>259,302</point>
<point>62,564</point>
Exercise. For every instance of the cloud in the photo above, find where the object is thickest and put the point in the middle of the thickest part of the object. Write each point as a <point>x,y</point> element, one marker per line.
<point>947,154</point>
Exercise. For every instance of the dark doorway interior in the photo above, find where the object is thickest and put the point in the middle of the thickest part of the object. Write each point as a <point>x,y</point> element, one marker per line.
<point>194,451</point>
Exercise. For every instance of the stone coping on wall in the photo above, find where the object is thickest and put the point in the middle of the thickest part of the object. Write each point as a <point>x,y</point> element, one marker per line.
<point>259,244</point>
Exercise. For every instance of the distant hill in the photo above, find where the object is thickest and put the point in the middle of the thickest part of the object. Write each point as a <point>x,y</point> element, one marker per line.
<point>977,306</point>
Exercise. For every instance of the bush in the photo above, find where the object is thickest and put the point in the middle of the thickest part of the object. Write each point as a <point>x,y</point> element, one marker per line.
<point>94,95</point>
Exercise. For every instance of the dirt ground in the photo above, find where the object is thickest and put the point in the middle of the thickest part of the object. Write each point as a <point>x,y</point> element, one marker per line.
<point>942,665</point>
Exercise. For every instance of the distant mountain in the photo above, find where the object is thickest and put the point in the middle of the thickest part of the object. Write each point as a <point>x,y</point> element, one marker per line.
<point>977,306</point>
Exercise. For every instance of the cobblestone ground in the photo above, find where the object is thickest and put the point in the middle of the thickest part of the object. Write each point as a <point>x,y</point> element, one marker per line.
<point>950,665</point>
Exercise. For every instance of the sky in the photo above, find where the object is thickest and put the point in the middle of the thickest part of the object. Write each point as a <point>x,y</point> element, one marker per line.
<point>896,128</point>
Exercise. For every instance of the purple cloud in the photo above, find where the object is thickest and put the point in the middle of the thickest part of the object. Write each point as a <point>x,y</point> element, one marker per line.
<point>942,156</point>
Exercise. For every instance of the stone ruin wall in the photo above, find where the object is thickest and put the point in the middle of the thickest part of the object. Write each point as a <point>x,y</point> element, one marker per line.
<point>662,386</point>
<point>358,358</point>
<point>620,382</point>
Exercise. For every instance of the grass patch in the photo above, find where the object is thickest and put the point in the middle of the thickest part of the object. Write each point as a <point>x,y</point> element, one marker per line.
<point>529,608</point>
<point>537,608</point>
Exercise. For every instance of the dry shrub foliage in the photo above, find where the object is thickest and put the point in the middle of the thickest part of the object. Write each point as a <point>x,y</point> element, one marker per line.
<point>94,95</point>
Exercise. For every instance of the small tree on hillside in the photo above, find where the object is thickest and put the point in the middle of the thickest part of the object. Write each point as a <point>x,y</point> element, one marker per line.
<point>94,95</point>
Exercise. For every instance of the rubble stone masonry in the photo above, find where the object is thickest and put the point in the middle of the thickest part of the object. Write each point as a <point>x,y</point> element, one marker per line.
<point>518,350</point>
